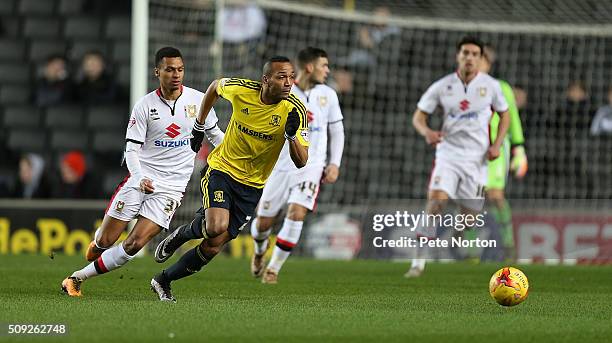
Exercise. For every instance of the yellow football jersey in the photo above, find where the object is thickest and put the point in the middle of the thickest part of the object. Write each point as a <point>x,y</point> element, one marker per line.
<point>255,134</point>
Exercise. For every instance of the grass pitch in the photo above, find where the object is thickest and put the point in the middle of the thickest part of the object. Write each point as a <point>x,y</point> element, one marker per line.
<point>315,301</point>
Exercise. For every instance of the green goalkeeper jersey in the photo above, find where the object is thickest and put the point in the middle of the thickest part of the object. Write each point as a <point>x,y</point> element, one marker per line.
<point>515,131</point>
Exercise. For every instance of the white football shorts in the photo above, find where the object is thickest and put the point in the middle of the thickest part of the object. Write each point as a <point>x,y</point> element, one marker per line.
<point>463,181</point>
<point>296,187</point>
<point>159,206</point>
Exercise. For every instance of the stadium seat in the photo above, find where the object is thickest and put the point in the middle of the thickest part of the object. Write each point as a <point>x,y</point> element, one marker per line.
<point>14,73</point>
<point>82,27</point>
<point>69,7</point>
<point>27,140</point>
<point>64,117</point>
<point>124,76</point>
<point>122,51</point>
<point>109,142</point>
<point>12,49</point>
<point>118,28</point>
<point>14,94</point>
<point>80,48</point>
<point>36,6</point>
<point>42,49</point>
<point>63,140</point>
<point>7,6</point>
<point>107,118</point>
<point>41,27</point>
<point>11,26</point>
<point>111,179</point>
<point>21,117</point>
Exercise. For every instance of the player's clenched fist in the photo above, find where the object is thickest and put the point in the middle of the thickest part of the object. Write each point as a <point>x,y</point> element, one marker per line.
<point>198,136</point>
<point>292,125</point>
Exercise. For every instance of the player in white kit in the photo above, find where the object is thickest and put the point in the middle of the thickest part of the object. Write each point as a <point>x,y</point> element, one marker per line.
<point>299,187</point>
<point>467,98</point>
<point>160,163</point>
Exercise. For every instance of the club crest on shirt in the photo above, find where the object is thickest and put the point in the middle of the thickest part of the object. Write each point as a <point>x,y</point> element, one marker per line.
<point>132,122</point>
<point>482,91</point>
<point>218,196</point>
<point>190,111</point>
<point>322,101</point>
<point>119,206</point>
<point>275,121</point>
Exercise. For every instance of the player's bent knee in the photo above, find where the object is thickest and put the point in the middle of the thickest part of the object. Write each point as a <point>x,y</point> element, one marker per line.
<point>297,212</point>
<point>264,223</point>
<point>132,245</point>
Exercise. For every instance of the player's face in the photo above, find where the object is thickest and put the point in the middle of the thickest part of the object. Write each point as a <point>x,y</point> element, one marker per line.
<point>468,58</point>
<point>320,70</point>
<point>280,81</point>
<point>170,73</point>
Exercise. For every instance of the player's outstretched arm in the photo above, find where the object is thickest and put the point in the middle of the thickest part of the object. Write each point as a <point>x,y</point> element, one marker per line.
<point>210,98</point>
<point>502,129</point>
<point>419,121</point>
<point>298,152</point>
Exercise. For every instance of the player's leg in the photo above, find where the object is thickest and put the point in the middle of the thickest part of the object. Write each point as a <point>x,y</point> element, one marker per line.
<point>115,257</point>
<point>261,227</point>
<point>442,187</point>
<point>122,208</point>
<point>496,184</point>
<point>105,236</point>
<point>436,202</point>
<point>286,240</point>
<point>198,227</point>
<point>228,208</point>
<point>273,198</point>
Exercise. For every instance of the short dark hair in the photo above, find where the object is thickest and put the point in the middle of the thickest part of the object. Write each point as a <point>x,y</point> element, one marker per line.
<point>309,55</point>
<point>471,40</point>
<point>167,51</point>
<point>267,68</point>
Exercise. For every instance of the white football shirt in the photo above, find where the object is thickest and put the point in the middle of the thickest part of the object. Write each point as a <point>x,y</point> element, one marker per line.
<point>323,107</point>
<point>467,110</point>
<point>164,129</point>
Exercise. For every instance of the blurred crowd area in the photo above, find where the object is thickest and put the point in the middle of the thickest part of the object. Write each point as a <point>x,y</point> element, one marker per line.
<point>64,97</point>
<point>64,67</point>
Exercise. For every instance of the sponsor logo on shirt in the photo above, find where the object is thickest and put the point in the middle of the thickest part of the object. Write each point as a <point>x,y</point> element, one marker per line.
<point>469,115</point>
<point>254,133</point>
<point>173,130</point>
<point>464,105</point>
<point>153,114</point>
<point>171,144</point>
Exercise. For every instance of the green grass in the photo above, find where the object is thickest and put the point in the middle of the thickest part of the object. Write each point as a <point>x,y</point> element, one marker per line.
<point>314,301</point>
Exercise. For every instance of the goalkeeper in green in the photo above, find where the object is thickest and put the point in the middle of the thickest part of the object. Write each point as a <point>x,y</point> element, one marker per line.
<point>512,157</point>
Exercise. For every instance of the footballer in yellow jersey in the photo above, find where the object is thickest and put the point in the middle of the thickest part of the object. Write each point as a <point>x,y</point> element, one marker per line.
<point>265,115</point>
<point>255,134</point>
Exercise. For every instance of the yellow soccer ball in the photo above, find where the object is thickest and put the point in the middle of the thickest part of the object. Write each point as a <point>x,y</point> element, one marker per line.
<point>509,286</point>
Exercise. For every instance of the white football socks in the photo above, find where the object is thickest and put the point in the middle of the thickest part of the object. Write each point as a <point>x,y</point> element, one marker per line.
<point>260,239</point>
<point>287,238</point>
<point>111,259</point>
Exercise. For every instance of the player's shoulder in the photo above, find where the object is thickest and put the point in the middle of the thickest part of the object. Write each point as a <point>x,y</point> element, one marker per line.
<point>486,78</point>
<point>294,101</point>
<point>147,99</point>
<point>445,81</point>
<point>325,89</point>
<point>240,83</point>
<point>192,93</point>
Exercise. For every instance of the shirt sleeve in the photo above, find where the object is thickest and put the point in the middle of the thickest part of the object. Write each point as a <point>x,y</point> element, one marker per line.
<point>225,88</point>
<point>137,126</point>
<point>335,113</point>
<point>515,131</point>
<point>430,99</point>
<point>499,101</point>
<point>303,134</point>
<point>211,120</point>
